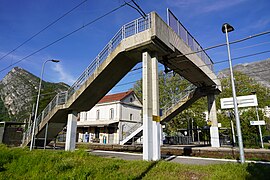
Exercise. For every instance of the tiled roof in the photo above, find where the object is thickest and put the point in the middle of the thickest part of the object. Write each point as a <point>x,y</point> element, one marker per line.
<point>115,97</point>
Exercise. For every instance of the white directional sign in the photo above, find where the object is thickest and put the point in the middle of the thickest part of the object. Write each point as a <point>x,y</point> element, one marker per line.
<point>242,101</point>
<point>256,123</point>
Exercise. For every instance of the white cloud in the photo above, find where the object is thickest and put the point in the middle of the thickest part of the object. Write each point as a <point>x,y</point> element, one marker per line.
<point>198,6</point>
<point>219,5</point>
<point>64,75</point>
<point>261,23</point>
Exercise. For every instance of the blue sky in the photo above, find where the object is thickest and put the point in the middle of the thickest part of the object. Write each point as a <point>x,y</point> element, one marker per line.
<point>19,20</point>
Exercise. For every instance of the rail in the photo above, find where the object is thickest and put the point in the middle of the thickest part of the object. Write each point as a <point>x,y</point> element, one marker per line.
<point>183,33</point>
<point>134,27</point>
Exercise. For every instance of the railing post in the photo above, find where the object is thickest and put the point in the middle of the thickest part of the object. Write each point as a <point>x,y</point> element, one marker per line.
<point>149,21</point>
<point>136,26</point>
<point>57,99</point>
<point>110,47</point>
<point>123,32</point>
<point>42,115</point>
<point>66,96</point>
<point>50,107</point>
<point>178,28</point>
<point>97,61</point>
<point>85,74</point>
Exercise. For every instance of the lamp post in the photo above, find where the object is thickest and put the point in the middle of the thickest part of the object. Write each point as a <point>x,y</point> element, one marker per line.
<point>37,103</point>
<point>225,29</point>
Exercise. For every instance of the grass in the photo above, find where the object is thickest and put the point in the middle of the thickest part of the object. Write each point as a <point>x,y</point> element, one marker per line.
<point>16,163</point>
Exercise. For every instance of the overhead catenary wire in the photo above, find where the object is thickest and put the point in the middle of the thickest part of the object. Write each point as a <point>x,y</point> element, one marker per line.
<point>65,36</point>
<point>224,44</point>
<point>43,29</point>
<point>137,8</point>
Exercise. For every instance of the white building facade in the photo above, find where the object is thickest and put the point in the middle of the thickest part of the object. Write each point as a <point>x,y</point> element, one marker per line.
<point>111,120</point>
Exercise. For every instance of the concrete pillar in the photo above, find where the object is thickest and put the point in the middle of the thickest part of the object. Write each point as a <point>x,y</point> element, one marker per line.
<point>155,101</point>
<point>71,131</point>
<point>212,115</point>
<point>147,107</point>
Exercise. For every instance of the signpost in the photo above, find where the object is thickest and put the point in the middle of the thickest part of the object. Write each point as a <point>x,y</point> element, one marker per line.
<point>245,101</point>
<point>242,101</point>
<point>257,123</point>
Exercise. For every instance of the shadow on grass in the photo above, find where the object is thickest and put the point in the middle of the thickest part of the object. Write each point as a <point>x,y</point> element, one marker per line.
<point>258,171</point>
<point>2,169</point>
<point>147,170</point>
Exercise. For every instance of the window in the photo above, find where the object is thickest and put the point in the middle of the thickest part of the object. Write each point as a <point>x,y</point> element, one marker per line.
<point>85,116</point>
<point>111,113</point>
<point>131,117</point>
<point>131,100</point>
<point>97,114</point>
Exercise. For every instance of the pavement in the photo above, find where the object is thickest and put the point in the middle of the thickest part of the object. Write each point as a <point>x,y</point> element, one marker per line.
<point>175,159</point>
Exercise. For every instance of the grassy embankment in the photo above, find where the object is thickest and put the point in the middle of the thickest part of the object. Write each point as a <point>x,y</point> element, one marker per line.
<point>16,163</point>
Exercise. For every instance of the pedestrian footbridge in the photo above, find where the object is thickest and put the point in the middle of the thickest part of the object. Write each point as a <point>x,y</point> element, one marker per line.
<point>171,43</point>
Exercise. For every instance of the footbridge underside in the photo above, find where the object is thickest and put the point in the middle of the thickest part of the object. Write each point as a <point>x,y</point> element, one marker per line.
<point>152,35</point>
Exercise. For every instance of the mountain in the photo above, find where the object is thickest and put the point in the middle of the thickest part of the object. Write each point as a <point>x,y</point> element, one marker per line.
<point>18,93</point>
<point>259,71</point>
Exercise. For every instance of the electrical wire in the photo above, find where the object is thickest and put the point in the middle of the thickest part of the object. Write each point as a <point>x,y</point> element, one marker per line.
<point>65,36</point>
<point>224,44</point>
<point>43,29</point>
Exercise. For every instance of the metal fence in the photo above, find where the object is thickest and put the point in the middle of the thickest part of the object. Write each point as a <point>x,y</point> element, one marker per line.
<point>127,30</point>
<point>182,32</point>
<point>174,140</point>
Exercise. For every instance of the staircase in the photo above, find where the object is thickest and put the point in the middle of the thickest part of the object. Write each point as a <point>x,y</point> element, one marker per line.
<point>135,134</point>
<point>179,103</point>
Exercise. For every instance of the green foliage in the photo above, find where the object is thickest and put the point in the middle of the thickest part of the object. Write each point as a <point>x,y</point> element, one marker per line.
<point>3,112</point>
<point>245,86</point>
<point>170,86</point>
<point>18,163</point>
<point>48,92</point>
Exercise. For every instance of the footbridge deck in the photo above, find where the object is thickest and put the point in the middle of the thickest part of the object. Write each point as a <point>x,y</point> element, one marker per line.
<point>118,57</point>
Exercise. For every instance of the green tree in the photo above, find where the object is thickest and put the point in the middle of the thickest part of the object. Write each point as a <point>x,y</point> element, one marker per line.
<point>245,86</point>
<point>4,116</point>
<point>170,86</point>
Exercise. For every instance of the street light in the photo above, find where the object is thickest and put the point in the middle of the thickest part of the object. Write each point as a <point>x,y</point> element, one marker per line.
<point>38,96</point>
<point>225,29</point>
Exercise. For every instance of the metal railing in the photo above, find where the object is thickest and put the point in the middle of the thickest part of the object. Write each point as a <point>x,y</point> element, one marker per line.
<point>183,33</point>
<point>127,30</point>
<point>131,130</point>
<point>178,98</point>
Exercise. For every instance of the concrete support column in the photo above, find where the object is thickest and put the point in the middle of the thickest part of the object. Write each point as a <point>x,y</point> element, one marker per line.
<point>212,115</point>
<point>71,131</point>
<point>147,107</point>
<point>46,134</point>
<point>155,101</point>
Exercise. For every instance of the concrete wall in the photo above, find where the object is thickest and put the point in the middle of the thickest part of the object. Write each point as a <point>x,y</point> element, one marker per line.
<point>104,112</point>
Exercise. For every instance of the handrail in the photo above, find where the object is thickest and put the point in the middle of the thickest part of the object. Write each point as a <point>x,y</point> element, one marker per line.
<point>131,130</point>
<point>183,33</point>
<point>190,89</point>
<point>134,27</point>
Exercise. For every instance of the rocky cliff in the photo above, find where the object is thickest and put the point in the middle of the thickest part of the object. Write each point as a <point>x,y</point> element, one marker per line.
<point>18,92</point>
<point>259,71</point>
